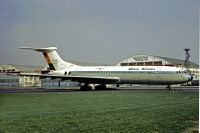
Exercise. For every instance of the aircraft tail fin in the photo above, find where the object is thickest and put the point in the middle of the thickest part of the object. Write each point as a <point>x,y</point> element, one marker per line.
<point>52,58</point>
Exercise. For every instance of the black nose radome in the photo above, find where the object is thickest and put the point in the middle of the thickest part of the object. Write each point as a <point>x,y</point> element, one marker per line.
<point>190,78</point>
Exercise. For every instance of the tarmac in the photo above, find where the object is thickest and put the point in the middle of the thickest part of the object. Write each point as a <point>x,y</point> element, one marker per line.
<point>185,89</point>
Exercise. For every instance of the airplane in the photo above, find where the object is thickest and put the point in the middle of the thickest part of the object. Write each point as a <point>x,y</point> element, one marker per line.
<point>104,75</point>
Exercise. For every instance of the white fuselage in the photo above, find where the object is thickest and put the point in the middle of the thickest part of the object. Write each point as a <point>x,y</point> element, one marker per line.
<point>132,74</point>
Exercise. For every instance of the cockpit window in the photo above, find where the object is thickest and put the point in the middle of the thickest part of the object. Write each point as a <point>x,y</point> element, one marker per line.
<point>180,71</point>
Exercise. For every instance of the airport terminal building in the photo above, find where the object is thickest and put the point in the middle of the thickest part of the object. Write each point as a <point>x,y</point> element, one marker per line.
<point>137,60</point>
<point>6,79</point>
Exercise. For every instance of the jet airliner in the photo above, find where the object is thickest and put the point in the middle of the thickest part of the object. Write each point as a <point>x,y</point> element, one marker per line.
<point>103,75</point>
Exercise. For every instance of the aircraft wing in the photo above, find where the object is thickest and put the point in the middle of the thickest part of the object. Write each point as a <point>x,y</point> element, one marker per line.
<point>81,79</point>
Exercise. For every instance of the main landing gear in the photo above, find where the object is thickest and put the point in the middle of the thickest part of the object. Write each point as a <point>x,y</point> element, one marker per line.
<point>85,87</point>
<point>100,87</point>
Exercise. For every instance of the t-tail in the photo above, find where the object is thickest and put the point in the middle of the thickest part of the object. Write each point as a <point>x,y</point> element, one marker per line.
<point>52,58</point>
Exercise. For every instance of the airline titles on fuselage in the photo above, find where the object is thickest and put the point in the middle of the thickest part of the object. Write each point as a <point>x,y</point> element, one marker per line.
<point>132,69</point>
<point>143,69</point>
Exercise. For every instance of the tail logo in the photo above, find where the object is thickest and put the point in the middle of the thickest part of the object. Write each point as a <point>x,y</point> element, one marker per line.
<point>48,61</point>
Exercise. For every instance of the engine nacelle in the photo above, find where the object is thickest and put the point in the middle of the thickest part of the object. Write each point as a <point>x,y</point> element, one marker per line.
<point>59,73</point>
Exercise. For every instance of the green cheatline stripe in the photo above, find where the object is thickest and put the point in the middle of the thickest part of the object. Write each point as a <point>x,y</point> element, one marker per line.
<point>52,67</point>
<point>129,72</point>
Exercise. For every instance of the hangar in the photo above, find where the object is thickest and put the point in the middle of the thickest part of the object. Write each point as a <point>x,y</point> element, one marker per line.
<point>150,60</point>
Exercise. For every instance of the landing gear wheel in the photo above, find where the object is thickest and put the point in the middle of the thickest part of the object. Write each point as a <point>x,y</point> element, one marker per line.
<point>86,88</point>
<point>100,87</point>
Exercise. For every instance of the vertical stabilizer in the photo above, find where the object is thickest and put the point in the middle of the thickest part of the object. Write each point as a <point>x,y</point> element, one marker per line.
<point>52,58</point>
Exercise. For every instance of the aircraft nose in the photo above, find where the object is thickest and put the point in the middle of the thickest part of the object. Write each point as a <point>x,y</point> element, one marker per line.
<point>190,78</point>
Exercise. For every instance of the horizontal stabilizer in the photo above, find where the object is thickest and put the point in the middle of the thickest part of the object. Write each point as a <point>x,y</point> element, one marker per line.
<point>52,58</point>
<point>49,49</point>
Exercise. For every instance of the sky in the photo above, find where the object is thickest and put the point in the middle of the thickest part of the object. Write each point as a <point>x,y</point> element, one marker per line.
<point>98,31</point>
